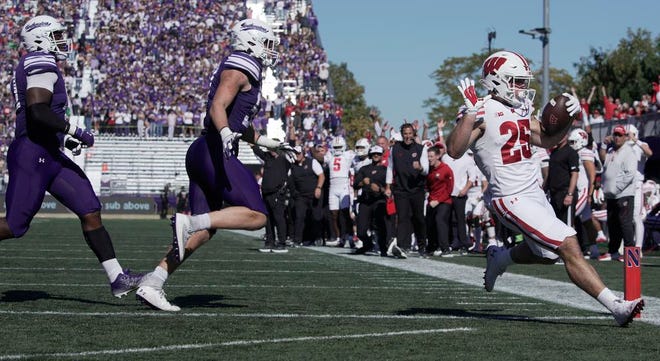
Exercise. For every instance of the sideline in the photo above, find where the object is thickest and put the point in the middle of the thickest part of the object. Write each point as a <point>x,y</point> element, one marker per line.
<point>562,293</point>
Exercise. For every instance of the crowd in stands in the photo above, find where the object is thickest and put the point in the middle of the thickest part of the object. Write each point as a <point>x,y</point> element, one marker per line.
<point>147,65</point>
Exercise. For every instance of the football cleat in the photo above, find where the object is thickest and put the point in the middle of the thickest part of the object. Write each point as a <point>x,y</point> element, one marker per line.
<point>493,267</point>
<point>334,243</point>
<point>155,298</point>
<point>182,229</point>
<point>125,283</point>
<point>625,311</point>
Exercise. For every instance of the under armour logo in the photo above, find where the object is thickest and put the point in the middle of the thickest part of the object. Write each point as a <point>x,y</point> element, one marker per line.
<point>42,160</point>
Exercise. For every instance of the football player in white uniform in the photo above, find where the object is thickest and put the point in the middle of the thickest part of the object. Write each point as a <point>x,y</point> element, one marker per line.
<point>578,140</point>
<point>500,129</point>
<point>477,216</point>
<point>643,152</point>
<point>339,201</point>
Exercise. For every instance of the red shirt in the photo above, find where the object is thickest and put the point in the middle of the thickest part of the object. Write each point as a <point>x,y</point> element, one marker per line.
<point>440,183</point>
<point>608,108</point>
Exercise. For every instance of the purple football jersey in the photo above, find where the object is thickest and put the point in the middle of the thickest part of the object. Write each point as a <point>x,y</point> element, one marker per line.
<point>31,64</point>
<point>245,106</point>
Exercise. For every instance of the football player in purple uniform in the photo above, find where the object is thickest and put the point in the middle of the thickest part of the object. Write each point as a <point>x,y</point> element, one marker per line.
<point>216,175</point>
<point>34,160</point>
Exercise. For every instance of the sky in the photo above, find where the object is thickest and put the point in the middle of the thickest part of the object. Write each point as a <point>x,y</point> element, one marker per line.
<point>392,47</point>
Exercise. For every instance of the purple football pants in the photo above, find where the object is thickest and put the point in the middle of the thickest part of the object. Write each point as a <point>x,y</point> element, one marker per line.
<point>214,178</point>
<point>33,170</point>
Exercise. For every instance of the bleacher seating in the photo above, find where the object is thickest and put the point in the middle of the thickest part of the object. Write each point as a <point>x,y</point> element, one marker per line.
<point>128,165</point>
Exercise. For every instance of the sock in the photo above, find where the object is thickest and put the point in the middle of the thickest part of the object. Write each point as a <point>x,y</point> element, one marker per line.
<point>601,234</point>
<point>607,298</point>
<point>199,222</point>
<point>99,242</point>
<point>155,279</point>
<point>112,269</point>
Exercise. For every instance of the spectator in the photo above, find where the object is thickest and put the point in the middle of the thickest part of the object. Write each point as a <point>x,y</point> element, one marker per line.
<point>584,105</point>
<point>439,183</point>
<point>609,104</point>
<point>618,179</point>
<point>596,117</point>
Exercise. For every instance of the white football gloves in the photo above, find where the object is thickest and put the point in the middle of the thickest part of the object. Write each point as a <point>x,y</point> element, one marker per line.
<point>572,104</point>
<point>72,144</point>
<point>229,140</point>
<point>472,101</point>
<point>288,151</point>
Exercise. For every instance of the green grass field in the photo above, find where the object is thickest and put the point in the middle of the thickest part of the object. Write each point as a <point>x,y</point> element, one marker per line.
<point>239,304</point>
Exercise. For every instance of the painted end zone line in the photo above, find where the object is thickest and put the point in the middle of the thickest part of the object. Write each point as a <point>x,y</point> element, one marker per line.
<point>228,343</point>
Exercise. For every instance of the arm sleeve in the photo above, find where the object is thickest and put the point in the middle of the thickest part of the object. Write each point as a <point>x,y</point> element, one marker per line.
<point>259,153</point>
<point>389,175</point>
<point>42,115</point>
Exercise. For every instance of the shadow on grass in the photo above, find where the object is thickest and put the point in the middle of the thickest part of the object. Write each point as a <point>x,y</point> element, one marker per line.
<point>489,314</point>
<point>27,296</point>
<point>207,301</point>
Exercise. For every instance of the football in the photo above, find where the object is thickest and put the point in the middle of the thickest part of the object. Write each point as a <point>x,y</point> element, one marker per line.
<point>555,117</point>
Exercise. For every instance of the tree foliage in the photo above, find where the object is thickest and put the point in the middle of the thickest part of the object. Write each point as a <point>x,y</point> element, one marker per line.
<point>349,94</point>
<point>452,70</point>
<point>626,72</point>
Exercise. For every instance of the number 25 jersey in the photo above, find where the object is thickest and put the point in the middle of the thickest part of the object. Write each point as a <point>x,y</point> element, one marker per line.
<point>503,153</point>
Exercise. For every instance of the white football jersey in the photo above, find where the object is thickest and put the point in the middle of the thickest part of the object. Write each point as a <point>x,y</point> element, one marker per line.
<point>585,154</point>
<point>476,179</point>
<point>340,166</point>
<point>503,152</point>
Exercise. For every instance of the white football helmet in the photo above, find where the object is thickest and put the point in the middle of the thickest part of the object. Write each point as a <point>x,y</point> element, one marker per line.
<point>45,33</point>
<point>632,129</point>
<point>362,147</point>
<point>507,75</point>
<point>338,145</point>
<point>256,37</point>
<point>578,139</point>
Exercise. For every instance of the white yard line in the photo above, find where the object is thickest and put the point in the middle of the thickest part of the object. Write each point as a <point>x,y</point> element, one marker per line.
<point>197,346</point>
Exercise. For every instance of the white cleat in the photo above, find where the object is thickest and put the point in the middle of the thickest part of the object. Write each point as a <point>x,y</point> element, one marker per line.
<point>334,243</point>
<point>181,225</point>
<point>155,298</point>
<point>493,267</point>
<point>625,311</point>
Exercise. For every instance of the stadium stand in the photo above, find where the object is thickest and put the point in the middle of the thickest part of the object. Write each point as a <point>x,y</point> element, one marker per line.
<point>147,59</point>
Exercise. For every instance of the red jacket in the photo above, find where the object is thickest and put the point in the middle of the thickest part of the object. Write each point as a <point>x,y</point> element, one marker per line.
<point>440,182</point>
